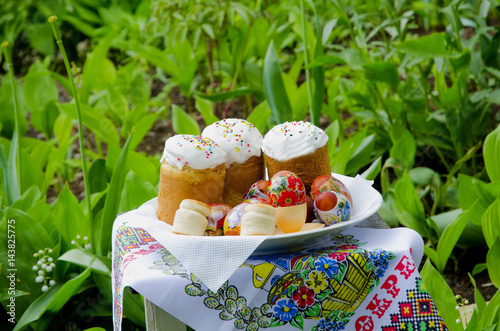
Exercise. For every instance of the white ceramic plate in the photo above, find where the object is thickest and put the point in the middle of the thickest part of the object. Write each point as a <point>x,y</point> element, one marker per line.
<point>281,243</point>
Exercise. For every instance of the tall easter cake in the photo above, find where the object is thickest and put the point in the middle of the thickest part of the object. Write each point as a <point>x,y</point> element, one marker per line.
<point>299,147</point>
<point>242,143</point>
<point>192,167</point>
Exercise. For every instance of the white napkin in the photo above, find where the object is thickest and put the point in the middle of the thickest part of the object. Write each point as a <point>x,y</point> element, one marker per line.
<point>214,259</point>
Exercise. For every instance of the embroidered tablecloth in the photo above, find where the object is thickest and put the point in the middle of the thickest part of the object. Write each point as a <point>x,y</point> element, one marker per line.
<point>360,279</point>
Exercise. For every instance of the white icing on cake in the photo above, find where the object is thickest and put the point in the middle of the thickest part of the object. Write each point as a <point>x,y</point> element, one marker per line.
<point>292,139</point>
<point>239,139</point>
<point>196,152</point>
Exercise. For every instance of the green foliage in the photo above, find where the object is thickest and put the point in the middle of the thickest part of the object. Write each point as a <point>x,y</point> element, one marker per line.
<point>407,93</point>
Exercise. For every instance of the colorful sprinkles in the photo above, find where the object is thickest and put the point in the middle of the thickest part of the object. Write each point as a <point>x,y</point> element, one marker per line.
<point>230,133</point>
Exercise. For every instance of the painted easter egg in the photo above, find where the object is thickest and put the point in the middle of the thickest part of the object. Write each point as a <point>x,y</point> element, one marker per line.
<point>257,190</point>
<point>232,222</point>
<point>218,212</point>
<point>331,207</point>
<point>326,183</point>
<point>286,189</point>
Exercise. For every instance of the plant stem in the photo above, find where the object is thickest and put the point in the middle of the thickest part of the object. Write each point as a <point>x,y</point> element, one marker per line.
<point>15,135</point>
<point>240,58</point>
<point>306,59</point>
<point>57,35</point>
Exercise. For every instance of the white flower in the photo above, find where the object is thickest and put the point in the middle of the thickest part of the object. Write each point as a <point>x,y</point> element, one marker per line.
<point>458,320</point>
<point>35,268</point>
<point>35,255</point>
<point>45,288</point>
<point>50,250</point>
<point>49,269</point>
<point>41,272</point>
<point>466,301</point>
<point>39,262</point>
<point>78,236</point>
<point>50,259</point>
<point>44,266</point>
<point>73,242</point>
<point>52,265</point>
<point>88,246</point>
<point>52,282</point>
<point>39,279</point>
<point>85,238</point>
<point>40,252</point>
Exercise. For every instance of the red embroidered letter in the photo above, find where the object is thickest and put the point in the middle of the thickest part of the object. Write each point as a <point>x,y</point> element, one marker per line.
<point>390,286</point>
<point>378,306</point>
<point>364,323</point>
<point>406,267</point>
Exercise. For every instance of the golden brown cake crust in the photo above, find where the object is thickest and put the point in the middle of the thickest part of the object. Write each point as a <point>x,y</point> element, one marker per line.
<point>307,167</point>
<point>239,177</point>
<point>176,185</point>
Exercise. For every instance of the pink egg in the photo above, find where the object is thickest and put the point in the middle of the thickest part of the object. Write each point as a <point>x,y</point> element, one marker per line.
<point>334,185</point>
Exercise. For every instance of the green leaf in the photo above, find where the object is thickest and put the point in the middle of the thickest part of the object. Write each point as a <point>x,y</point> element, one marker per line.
<point>96,122</point>
<point>52,301</point>
<point>491,312</point>
<point>372,172</point>
<point>135,192</point>
<point>430,46</point>
<point>112,201</point>
<point>183,123</point>
<point>39,88</point>
<point>232,94</point>
<point>206,109</point>
<point>85,259</point>
<point>6,294</point>
<point>493,262</point>
<point>325,60</point>
<point>141,128</point>
<point>44,120</point>
<point>478,298</point>
<point>361,156</point>
<point>449,238</point>
<point>383,72</point>
<point>69,218</point>
<point>491,154</point>
<point>491,223</point>
<point>40,37</point>
<point>404,150</point>
<point>95,66</point>
<point>410,211</point>
<point>442,295</point>
<point>274,88</point>
<point>259,116</point>
<point>98,179</point>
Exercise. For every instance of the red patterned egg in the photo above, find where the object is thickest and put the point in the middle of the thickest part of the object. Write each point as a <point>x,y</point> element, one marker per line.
<point>327,183</point>
<point>286,189</point>
<point>216,218</point>
<point>232,222</point>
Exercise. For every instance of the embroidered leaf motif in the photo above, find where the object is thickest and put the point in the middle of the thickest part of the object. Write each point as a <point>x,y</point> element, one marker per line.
<point>213,294</point>
<point>195,279</point>
<point>212,303</point>
<point>231,306</point>
<point>246,313</point>
<point>193,291</point>
<point>265,308</point>
<point>314,310</point>
<point>264,322</point>
<point>232,292</point>
<point>256,313</point>
<point>253,326</point>
<point>298,322</point>
<point>225,316</point>
<point>321,296</point>
<point>239,323</point>
<point>241,303</point>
